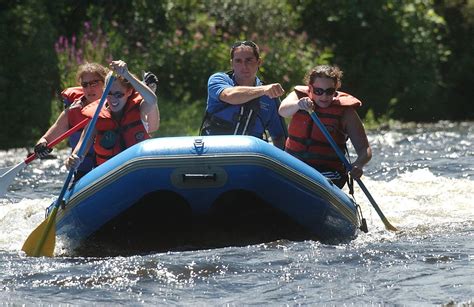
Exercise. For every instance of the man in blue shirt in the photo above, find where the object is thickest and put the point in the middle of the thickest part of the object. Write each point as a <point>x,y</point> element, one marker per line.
<point>238,102</point>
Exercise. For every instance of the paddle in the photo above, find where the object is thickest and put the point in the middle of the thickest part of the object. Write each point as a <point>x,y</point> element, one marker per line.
<point>341,156</point>
<point>42,240</point>
<point>8,174</point>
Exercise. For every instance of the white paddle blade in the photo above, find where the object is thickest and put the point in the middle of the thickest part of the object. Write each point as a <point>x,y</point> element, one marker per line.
<point>8,175</point>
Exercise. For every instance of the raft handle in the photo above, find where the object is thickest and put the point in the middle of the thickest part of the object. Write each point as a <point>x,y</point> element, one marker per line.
<point>212,177</point>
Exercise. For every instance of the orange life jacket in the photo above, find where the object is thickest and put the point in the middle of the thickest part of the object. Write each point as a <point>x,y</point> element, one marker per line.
<point>306,141</point>
<point>73,101</point>
<point>114,136</point>
<point>71,94</point>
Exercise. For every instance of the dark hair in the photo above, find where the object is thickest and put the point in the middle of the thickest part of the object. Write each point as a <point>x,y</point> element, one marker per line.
<point>256,50</point>
<point>324,71</point>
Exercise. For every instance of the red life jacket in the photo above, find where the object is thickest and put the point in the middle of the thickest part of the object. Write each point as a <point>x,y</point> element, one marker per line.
<point>114,136</point>
<point>306,141</point>
<point>71,94</point>
<point>74,102</point>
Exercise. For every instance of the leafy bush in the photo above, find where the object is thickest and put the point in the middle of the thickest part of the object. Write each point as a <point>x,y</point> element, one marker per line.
<point>457,69</point>
<point>30,75</point>
<point>90,46</point>
<point>184,42</point>
<point>403,58</point>
<point>389,51</point>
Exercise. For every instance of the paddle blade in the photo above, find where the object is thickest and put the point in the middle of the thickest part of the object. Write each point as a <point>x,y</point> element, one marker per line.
<point>7,175</point>
<point>389,226</point>
<point>4,170</point>
<point>34,246</point>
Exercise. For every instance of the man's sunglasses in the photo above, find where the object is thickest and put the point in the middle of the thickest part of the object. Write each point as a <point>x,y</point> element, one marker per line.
<point>320,91</point>
<point>117,95</point>
<point>92,83</point>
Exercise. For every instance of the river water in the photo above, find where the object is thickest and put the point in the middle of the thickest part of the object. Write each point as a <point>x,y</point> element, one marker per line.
<point>422,177</point>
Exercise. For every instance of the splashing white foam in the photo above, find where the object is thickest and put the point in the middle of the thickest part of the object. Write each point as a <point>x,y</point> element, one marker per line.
<point>415,201</point>
<point>419,199</point>
<point>18,220</point>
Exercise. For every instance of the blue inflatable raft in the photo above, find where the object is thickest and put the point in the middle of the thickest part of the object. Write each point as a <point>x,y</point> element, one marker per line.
<point>202,192</point>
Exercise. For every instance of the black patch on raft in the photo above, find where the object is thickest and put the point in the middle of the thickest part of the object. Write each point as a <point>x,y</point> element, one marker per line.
<point>163,221</point>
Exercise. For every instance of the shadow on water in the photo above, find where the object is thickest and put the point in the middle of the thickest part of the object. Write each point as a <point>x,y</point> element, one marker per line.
<point>163,221</point>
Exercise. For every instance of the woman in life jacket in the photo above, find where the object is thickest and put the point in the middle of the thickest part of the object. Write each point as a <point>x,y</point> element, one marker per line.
<point>91,78</point>
<point>337,112</point>
<point>129,115</point>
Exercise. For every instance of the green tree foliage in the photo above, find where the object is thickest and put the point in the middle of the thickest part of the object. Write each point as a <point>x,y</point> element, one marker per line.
<point>90,46</point>
<point>28,74</point>
<point>456,92</point>
<point>389,50</point>
<point>200,34</point>
<point>287,54</point>
<point>404,58</point>
<point>199,45</point>
<point>185,41</point>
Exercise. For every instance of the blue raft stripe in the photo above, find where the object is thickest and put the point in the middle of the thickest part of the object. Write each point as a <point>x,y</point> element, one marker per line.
<point>222,159</point>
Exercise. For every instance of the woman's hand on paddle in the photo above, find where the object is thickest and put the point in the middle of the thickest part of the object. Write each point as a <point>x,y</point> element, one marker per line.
<point>42,150</point>
<point>356,171</point>
<point>305,104</point>
<point>73,161</point>
<point>120,68</point>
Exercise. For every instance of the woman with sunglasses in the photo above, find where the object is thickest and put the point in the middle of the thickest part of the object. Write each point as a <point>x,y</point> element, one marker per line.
<point>129,115</point>
<point>337,112</point>
<point>91,77</point>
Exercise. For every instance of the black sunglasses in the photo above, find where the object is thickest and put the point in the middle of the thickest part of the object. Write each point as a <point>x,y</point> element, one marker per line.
<point>320,91</point>
<point>117,95</point>
<point>92,83</point>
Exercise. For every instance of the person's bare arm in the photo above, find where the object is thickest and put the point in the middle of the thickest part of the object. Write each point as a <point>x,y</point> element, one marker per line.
<point>356,132</point>
<point>148,108</point>
<point>57,129</point>
<point>148,95</point>
<point>242,94</point>
<point>292,104</point>
<point>151,116</point>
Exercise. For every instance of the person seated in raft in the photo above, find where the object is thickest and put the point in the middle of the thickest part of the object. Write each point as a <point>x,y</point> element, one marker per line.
<point>129,115</point>
<point>91,77</point>
<point>336,111</point>
<point>239,103</point>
